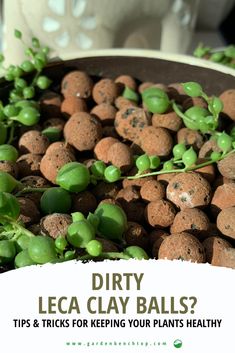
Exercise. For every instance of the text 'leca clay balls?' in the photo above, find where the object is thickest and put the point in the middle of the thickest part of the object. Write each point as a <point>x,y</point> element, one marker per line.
<point>188,190</point>
<point>182,246</point>
<point>78,84</point>
<point>83,131</point>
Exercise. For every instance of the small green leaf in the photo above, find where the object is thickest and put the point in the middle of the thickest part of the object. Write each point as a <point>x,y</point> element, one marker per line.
<point>18,34</point>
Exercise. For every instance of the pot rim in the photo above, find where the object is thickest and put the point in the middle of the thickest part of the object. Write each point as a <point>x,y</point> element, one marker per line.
<point>155,54</point>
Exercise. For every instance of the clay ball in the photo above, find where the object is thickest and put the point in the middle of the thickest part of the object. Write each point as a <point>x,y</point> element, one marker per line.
<point>127,80</point>
<point>55,224</point>
<point>228,98</point>
<point>136,235</point>
<point>224,196</point>
<point>226,222</point>
<point>152,190</point>
<point>227,166</point>
<point>160,213</point>
<point>191,220</point>
<point>78,84</point>
<point>189,190</point>
<point>156,141</point>
<point>102,147</point>
<point>29,164</point>
<point>214,246</point>
<point>170,121</point>
<point>105,91</point>
<point>105,112</point>
<point>33,142</point>
<point>182,246</point>
<point>121,156</point>
<point>83,131</point>
<point>72,105</point>
<point>84,202</point>
<point>29,213</point>
<point>190,138</point>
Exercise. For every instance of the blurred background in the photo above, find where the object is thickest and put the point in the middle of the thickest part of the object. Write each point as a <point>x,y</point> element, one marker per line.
<point>70,26</point>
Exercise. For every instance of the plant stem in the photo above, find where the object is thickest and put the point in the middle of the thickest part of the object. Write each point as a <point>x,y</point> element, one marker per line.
<point>29,189</point>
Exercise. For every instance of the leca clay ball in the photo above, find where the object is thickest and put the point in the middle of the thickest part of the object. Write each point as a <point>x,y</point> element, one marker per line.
<point>29,164</point>
<point>50,103</point>
<point>170,121</point>
<point>72,105</point>
<point>105,112</point>
<point>191,220</point>
<point>157,244</point>
<point>129,122</point>
<point>124,103</point>
<point>152,190</point>
<point>190,138</point>
<point>127,80</point>
<point>83,131</point>
<point>60,145</point>
<point>84,202</point>
<point>53,161</point>
<point>228,98</point>
<point>214,246</point>
<point>128,198</point>
<point>224,196</point>
<point>207,148</point>
<point>160,213</point>
<point>105,91</point>
<point>78,84</point>
<point>121,156</point>
<point>226,222</point>
<point>188,190</point>
<point>102,147</point>
<point>227,166</point>
<point>182,246</point>
<point>55,224</point>
<point>29,213</point>
<point>136,235</point>
<point>226,258</point>
<point>156,141</point>
<point>9,167</point>
<point>33,142</point>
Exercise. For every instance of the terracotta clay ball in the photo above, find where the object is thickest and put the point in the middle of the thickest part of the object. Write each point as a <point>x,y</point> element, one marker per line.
<point>160,213</point>
<point>227,166</point>
<point>78,84</point>
<point>102,147</point>
<point>157,244</point>
<point>226,222</point>
<point>228,98</point>
<point>29,164</point>
<point>124,103</point>
<point>72,105</point>
<point>55,224</point>
<point>214,246</point>
<point>105,112</point>
<point>136,235</point>
<point>33,142</point>
<point>129,122</point>
<point>156,141</point>
<point>190,102</point>
<point>170,121</point>
<point>152,190</point>
<point>106,190</point>
<point>57,123</point>
<point>29,213</point>
<point>53,161</point>
<point>189,190</point>
<point>50,103</point>
<point>105,91</point>
<point>224,196</point>
<point>129,200</point>
<point>208,172</point>
<point>9,167</point>
<point>191,220</point>
<point>226,258</point>
<point>190,138</point>
<point>207,148</point>
<point>84,202</point>
<point>83,131</point>
<point>182,246</point>
<point>121,156</point>
<point>127,80</point>
<point>60,145</point>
